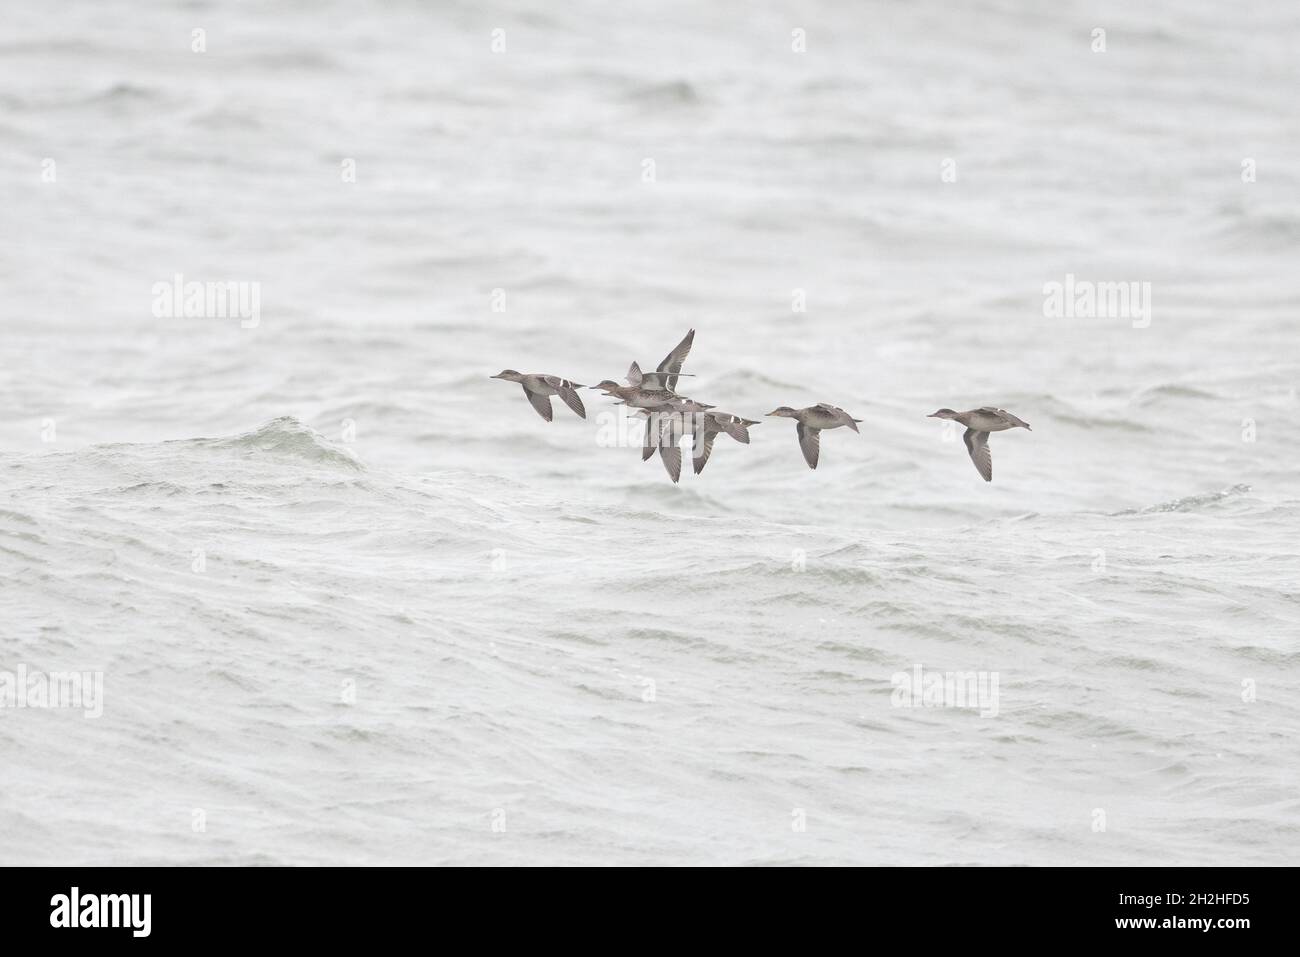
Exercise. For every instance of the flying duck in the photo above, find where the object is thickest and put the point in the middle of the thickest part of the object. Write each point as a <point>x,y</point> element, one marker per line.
<point>811,422</point>
<point>539,389</point>
<point>979,423</point>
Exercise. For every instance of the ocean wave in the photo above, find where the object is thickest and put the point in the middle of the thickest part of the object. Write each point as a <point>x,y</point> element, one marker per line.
<point>286,439</point>
<point>1189,503</point>
<point>1275,228</point>
<point>671,93</point>
<point>1172,390</point>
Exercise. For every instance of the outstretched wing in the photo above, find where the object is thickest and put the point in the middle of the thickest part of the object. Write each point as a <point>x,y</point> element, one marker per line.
<point>634,377</point>
<point>810,442</point>
<point>672,363</point>
<point>977,443</point>
<point>672,456</point>
<point>542,403</point>
<point>648,446</point>
<point>735,427</point>
<point>567,391</point>
<point>703,448</point>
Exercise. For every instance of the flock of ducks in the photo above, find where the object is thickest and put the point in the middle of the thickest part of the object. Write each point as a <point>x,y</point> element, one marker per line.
<point>670,416</point>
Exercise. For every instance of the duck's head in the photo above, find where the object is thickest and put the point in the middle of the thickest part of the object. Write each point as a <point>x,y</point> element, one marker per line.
<point>784,412</point>
<point>609,385</point>
<point>510,375</point>
<point>942,414</point>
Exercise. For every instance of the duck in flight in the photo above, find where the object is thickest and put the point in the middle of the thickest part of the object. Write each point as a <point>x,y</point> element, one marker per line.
<point>655,391</point>
<point>639,398</point>
<point>651,390</point>
<point>811,422</point>
<point>709,426</point>
<point>665,428</point>
<point>539,389</point>
<point>664,377</point>
<point>979,423</point>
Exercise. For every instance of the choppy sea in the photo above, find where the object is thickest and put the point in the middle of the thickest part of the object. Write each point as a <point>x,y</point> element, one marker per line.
<point>353,602</point>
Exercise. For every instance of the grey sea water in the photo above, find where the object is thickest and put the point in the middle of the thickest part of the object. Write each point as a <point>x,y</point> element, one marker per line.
<point>354,602</point>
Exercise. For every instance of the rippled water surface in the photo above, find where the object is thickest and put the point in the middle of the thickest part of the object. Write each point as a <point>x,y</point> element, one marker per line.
<point>428,627</point>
